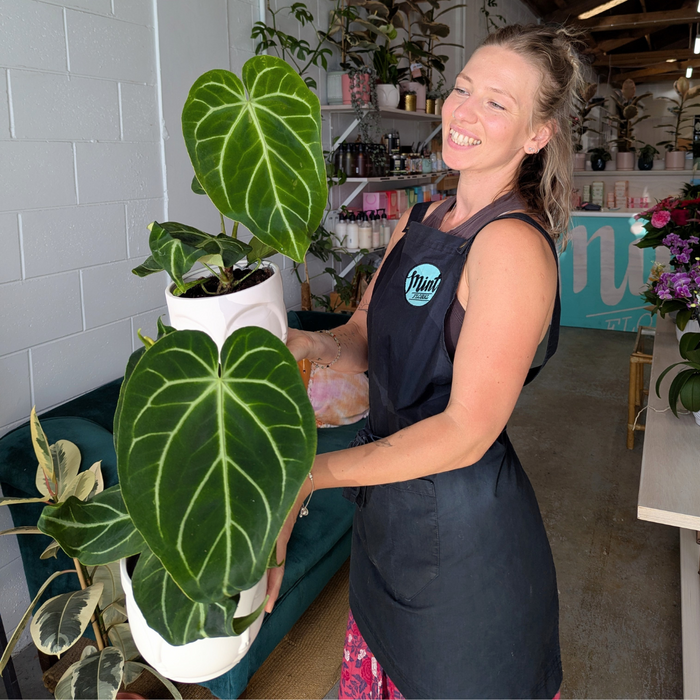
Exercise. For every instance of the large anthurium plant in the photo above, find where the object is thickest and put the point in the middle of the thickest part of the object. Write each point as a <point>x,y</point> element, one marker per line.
<point>212,451</point>
<point>255,146</point>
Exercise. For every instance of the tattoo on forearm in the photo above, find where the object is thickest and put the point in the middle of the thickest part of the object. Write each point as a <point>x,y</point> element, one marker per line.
<point>383,442</point>
<point>364,305</point>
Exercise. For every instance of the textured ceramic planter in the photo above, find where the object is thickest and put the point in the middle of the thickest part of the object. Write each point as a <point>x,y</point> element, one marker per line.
<point>197,661</point>
<point>645,163</point>
<point>579,161</point>
<point>219,316</point>
<point>675,160</point>
<point>362,81</point>
<point>625,161</point>
<point>388,96</point>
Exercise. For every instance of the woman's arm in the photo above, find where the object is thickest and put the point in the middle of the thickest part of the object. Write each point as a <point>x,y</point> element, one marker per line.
<point>512,284</point>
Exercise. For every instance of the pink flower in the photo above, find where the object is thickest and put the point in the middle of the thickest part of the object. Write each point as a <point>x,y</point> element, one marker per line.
<point>659,219</point>
<point>366,670</point>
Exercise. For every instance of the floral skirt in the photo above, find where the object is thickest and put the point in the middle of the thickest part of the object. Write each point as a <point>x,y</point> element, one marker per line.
<point>361,676</point>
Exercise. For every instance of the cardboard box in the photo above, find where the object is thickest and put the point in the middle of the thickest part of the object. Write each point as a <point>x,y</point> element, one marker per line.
<point>372,201</point>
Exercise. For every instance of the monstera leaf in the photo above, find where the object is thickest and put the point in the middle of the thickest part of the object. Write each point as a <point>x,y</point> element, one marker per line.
<point>255,145</point>
<point>212,456</point>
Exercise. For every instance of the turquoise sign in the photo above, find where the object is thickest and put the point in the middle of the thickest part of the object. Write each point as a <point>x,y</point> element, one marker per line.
<point>421,284</point>
<point>602,275</point>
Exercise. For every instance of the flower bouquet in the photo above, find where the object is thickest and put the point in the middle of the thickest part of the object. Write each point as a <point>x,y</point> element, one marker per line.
<point>673,223</point>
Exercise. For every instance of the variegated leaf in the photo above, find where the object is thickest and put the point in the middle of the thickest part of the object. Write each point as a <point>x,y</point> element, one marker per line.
<point>134,666</point>
<point>256,149</point>
<point>11,500</point>
<point>47,482</point>
<point>66,457</point>
<point>99,486</point>
<point>98,676</point>
<point>51,551</point>
<point>108,575</point>
<point>60,622</point>
<point>64,687</point>
<point>14,638</point>
<point>171,613</point>
<point>22,530</point>
<point>99,531</point>
<point>120,636</point>
<point>211,458</point>
<point>80,487</point>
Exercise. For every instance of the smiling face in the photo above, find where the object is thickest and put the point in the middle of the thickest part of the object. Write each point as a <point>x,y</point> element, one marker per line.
<point>487,121</point>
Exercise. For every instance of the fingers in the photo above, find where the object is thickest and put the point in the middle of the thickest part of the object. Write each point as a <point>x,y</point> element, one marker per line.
<point>274,583</point>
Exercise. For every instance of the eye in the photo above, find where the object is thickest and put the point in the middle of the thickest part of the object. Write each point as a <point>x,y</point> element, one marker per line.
<point>496,105</point>
<point>460,91</point>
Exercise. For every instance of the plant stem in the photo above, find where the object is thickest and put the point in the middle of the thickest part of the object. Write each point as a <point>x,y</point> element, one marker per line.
<point>234,230</point>
<point>95,624</point>
<point>223,224</point>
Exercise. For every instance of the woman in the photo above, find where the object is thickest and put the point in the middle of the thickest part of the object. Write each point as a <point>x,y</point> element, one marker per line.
<point>452,584</point>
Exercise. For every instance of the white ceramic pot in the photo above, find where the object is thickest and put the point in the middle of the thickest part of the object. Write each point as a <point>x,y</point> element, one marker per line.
<point>388,96</point>
<point>691,327</point>
<point>197,661</point>
<point>334,87</point>
<point>675,160</point>
<point>262,305</point>
<point>579,161</point>
<point>659,164</point>
<point>625,161</point>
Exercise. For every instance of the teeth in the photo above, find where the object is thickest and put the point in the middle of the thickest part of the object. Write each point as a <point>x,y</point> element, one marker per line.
<point>462,140</point>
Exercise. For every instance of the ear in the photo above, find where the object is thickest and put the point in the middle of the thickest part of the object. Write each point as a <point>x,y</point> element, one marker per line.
<point>540,138</point>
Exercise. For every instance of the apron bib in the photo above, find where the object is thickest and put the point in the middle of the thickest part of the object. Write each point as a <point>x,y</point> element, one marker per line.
<point>452,582</point>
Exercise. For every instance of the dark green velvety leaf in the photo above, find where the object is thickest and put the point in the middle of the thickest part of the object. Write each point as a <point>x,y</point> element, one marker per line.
<point>148,267</point>
<point>211,460</point>
<point>256,149</point>
<point>171,613</point>
<point>230,249</point>
<point>690,392</point>
<point>175,255</point>
<point>98,531</point>
<point>163,329</point>
<point>196,187</point>
<point>259,250</point>
<point>98,675</point>
<point>130,365</point>
<point>675,389</point>
<point>60,622</point>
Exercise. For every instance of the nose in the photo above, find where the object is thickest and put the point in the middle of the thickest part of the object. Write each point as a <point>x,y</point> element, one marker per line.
<point>465,110</point>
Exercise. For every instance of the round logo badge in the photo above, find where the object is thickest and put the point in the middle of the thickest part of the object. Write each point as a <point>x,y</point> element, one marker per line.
<point>422,283</point>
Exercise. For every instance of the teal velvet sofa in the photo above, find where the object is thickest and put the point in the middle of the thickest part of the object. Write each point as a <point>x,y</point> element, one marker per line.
<point>318,547</point>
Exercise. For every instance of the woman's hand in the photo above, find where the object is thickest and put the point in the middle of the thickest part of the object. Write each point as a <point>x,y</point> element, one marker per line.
<point>300,344</point>
<point>276,574</point>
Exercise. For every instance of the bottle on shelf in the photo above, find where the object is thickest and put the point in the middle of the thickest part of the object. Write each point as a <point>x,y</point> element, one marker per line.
<point>339,157</point>
<point>352,238</point>
<point>385,228</point>
<point>349,167</point>
<point>433,162</point>
<point>376,230</point>
<point>365,231</point>
<point>361,161</point>
<point>341,229</point>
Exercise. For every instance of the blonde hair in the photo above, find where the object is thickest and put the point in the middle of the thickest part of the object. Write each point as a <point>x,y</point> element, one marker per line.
<point>544,179</point>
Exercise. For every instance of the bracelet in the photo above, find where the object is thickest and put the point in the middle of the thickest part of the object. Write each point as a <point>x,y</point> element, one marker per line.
<point>304,510</point>
<point>337,342</point>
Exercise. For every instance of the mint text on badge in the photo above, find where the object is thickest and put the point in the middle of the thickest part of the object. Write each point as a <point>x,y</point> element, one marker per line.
<point>421,284</point>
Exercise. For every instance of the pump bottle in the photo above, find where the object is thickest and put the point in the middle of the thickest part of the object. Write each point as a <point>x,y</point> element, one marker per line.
<point>365,232</point>
<point>352,239</point>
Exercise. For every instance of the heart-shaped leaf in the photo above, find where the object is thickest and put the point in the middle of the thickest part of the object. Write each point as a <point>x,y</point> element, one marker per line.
<point>211,458</point>
<point>60,622</point>
<point>99,531</point>
<point>171,613</point>
<point>256,149</point>
<point>690,393</point>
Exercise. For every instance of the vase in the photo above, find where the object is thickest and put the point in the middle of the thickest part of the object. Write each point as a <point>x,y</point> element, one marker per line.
<point>419,89</point>
<point>438,105</point>
<point>429,105</point>
<point>579,161</point>
<point>691,327</point>
<point>597,163</point>
<point>625,160</point>
<point>361,80</point>
<point>334,86</point>
<point>675,160</point>
<point>645,163</point>
<point>388,96</point>
<point>410,103</point>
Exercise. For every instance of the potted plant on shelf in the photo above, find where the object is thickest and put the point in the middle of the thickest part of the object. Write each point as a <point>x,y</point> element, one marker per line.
<point>645,160</point>
<point>599,157</point>
<point>625,118</point>
<point>675,152</point>
<point>586,101</point>
<point>242,138</point>
<point>686,384</point>
<point>389,75</point>
<point>59,624</point>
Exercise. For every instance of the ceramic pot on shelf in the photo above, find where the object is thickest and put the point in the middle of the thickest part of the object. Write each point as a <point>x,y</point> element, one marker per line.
<point>597,163</point>
<point>438,106</point>
<point>429,106</point>
<point>197,661</point>
<point>419,89</point>
<point>410,102</point>
<point>334,86</point>
<point>579,161</point>
<point>691,327</point>
<point>645,163</point>
<point>675,160</point>
<point>624,160</point>
<point>388,96</point>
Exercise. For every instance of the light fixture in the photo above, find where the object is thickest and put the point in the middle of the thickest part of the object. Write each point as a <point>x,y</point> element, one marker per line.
<point>698,6</point>
<point>689,72</point>
<point>670,60</point>
<point>696,45</point>
<point>602,8</point>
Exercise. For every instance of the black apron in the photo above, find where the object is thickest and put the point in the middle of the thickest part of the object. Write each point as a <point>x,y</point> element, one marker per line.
<point>452,582</point>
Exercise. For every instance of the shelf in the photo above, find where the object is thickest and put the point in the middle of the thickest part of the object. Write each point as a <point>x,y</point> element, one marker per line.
<point>402,178</point>
<point>633,173</point>
<point>387,113</point>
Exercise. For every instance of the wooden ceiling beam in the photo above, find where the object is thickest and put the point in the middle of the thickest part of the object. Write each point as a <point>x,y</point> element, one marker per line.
<point>643,58</point>
<point>573,10</point>
<point>660,70</point>
<point>623,38</point>
<point>639,20</point>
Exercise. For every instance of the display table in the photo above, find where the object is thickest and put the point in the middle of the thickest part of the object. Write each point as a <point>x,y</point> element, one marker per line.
<point>669,492</point>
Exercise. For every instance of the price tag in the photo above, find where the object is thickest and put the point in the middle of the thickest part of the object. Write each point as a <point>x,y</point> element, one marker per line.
<point>415,69</point>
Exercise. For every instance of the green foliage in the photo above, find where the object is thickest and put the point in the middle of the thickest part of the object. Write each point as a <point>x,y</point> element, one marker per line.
<point>586,101</point>
<point>626,115</point>
<point>491,24</point>
<point>686,384</point>
<point>600,152</point>
<point>678,110</point>
<point>386,66</point>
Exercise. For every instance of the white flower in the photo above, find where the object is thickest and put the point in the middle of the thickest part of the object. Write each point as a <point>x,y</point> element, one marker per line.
<point>346,654</point>
<point>374,667</point>
<point>362,654</point>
